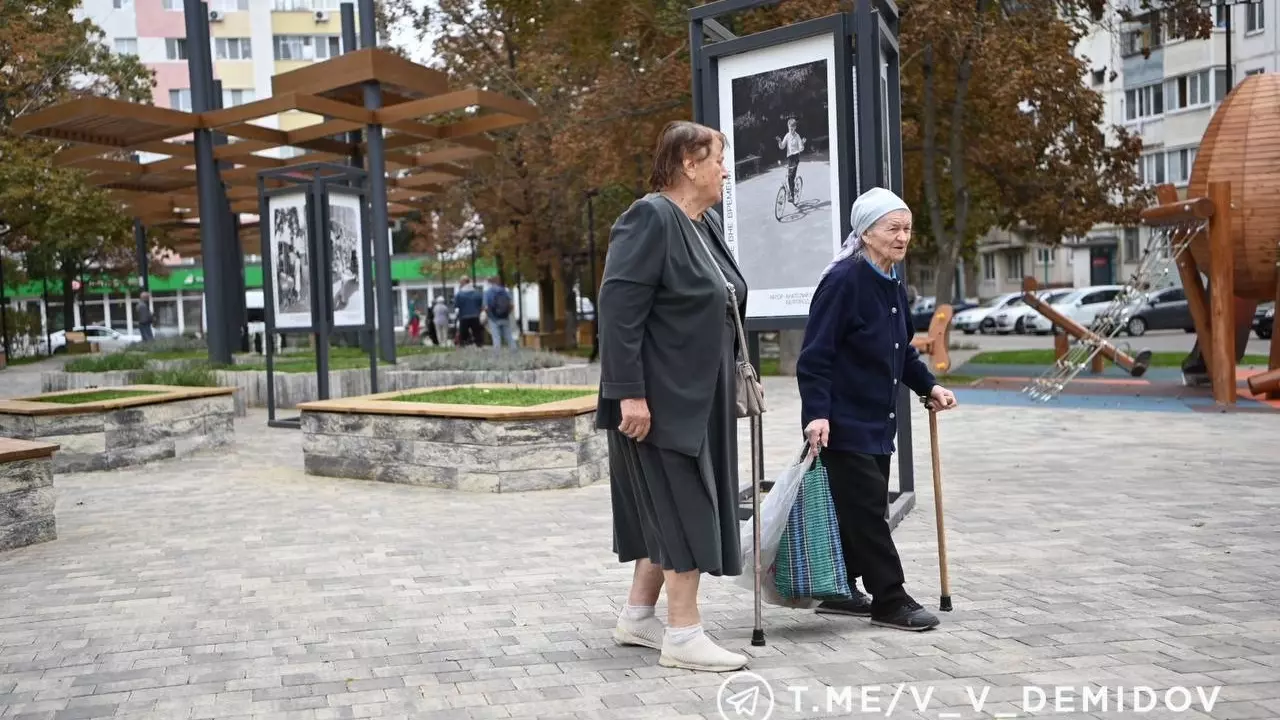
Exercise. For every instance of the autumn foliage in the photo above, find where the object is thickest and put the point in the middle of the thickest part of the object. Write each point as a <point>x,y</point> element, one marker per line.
<point>1000,128</point>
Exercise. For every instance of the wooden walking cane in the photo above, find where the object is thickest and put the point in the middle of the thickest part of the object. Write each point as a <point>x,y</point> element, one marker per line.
<point>944,603</point>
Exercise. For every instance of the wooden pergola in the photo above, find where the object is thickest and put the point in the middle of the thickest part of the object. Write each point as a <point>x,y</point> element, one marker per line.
<point>431,131</point>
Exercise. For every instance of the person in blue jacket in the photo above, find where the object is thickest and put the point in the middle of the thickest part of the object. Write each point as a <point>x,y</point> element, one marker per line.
<point>857,352</point>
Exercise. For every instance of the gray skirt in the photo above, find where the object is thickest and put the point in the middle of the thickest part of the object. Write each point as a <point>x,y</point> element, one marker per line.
<point>677,510</point>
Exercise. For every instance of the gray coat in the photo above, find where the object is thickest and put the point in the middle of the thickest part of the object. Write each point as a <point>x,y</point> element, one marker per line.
<point>662,312</point>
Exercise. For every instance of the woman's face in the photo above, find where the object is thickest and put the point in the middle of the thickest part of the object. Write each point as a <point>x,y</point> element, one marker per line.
<point>889,236</point>
<point>707,174</point>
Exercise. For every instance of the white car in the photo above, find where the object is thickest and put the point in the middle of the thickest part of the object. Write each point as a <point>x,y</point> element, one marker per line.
<point>1013,318</point>
<point>1082,305</point>
<point>979,318</point>
<point>107,339</point>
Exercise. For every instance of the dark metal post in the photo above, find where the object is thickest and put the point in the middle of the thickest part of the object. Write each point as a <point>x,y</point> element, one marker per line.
<point>200,71</point>
<point>591,260</point>
<point>140,242</point>
<point>472,238</point>
<point>349,44</point>
<point>320,285</point>
<point>1231,80</point>
<point>378,197</point>
<point>4,313</point>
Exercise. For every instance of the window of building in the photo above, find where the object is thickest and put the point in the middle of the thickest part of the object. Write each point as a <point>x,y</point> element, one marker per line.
<point>173,5</point>
<point>1220,15</point>
<point>228,5</point>
<point>232,48</point>
<point>1013,262</point>
<point>1131,250</point>
<point>175,48</point>
<point>1254,17</point>
<point>1142,102</point>
<point>1220,86</point>
<point>307,47</point>
<point>127,46</point>
<point>231,98</point>
<point>331,4</point>
<point>1187,91</point>
<point>988,267</point>
<point>121,4</point>
<point>1044,256</point>
<point>1255,71</point>
<point>1099,76</point>
<point>180,99</point>
<point>1180,164</point>
<point>291,5</point>
<point>1151,169</point>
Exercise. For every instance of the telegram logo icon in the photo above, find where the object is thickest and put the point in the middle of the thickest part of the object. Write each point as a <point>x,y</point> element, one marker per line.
<point>745,696</point>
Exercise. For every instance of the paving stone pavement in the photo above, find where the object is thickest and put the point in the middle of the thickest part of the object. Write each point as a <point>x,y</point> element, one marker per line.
<point>1087,549</point>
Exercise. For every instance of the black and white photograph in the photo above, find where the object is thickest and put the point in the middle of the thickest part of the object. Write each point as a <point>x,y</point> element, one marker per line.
<point>347,267</point>
<point>778,108</point>
<point>290,261</point>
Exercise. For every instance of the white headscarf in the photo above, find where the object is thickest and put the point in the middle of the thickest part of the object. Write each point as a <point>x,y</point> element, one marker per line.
<point>867,209</point>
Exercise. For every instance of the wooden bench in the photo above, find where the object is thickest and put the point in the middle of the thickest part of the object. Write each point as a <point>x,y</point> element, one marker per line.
<point>26,493</point>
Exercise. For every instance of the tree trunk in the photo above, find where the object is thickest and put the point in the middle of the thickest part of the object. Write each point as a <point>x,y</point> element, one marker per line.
<point>945,267</point>
<point>789,343</point>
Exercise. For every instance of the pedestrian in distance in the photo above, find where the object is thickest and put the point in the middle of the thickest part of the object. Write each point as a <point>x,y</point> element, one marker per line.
<point>497,308</point>
<point>667,397</point>
<point>856,355</point>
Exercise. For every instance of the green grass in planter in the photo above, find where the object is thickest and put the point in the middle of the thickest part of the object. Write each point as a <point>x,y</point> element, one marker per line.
<point>107,362</point>
<point>93,396</point>
<point>507,397</point>
<point>190,376</point>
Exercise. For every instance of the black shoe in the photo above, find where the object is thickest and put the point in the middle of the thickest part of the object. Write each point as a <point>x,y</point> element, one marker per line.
<point>906,616</point>
<point>858,605</point>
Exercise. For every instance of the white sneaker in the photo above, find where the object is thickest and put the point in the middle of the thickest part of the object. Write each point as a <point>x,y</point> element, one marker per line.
<point>700,653</point>
<point>646,633</point>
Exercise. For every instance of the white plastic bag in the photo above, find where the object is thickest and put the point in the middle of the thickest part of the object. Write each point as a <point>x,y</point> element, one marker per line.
<point>774,510</point>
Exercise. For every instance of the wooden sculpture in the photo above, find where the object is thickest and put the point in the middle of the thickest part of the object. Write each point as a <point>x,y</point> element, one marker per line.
<point>1237,170</point>
<point>937,340</point>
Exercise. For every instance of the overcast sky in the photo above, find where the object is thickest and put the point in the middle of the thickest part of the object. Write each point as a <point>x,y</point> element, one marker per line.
<point>405,36</point>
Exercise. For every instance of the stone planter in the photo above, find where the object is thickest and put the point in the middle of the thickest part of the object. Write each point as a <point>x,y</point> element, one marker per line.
<point>473,448</point>
<point>26,493</point>
<point>126,431</point>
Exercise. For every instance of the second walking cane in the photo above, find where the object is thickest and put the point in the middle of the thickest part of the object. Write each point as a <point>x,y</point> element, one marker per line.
<point>757,473</point>
<point>944,602</point>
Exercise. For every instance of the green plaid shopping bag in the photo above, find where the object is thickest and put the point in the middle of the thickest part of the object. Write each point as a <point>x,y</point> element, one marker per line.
<point>810,563</point>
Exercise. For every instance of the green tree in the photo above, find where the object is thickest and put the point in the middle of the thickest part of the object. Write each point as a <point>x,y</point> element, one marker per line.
<point>58,224</point>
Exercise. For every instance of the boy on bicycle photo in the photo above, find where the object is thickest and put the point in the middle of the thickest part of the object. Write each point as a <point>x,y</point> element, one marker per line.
<point>794,145</point>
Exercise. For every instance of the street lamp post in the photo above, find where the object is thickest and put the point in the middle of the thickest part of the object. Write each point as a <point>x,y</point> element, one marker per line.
<point>591,262</point>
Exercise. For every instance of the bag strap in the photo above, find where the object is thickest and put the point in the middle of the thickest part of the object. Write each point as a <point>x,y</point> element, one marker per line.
<point>733,291</point>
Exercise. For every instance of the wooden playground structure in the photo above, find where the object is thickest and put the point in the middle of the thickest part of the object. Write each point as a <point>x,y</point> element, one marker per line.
<point>1226,230</point>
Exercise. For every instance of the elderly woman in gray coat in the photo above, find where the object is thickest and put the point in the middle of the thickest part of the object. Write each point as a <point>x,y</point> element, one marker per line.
<point>667,349</point>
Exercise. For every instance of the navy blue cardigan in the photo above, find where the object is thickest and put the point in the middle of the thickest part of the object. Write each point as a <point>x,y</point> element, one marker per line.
<point>857,348</point>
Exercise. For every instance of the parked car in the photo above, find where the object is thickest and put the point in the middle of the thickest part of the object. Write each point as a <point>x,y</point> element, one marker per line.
<point>978,318</point>
<point>1159,310</point>
<point>1082,305</point>
<point>1013,318</point>
<point>922,311</point>
<point>107,339</point>
<point>1264,319</point>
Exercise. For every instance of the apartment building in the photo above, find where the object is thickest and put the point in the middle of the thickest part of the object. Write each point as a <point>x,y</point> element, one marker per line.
<point>251,41</point>
<point>1164,90</point>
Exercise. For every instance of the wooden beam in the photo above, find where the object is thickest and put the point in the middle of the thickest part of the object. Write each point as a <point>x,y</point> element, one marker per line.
<point>248,131</point>
<point>1178,212</point>
<point>416,109</point>
<point>322,130</point>
<point>334,109</point>
<point>256,110</point>
<point>1189,272</point>
<point>1222,296</point>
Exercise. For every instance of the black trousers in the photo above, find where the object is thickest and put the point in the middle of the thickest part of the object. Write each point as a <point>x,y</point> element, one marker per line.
<point>793,164</point>
<point>471,332</point>
<point>860,491</point>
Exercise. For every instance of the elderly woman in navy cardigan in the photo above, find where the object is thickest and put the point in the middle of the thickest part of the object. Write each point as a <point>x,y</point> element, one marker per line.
<point>857,351</point>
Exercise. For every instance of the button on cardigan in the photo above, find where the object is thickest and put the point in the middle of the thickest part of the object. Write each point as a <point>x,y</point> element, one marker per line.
<point>857,349</point>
